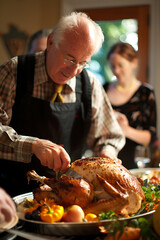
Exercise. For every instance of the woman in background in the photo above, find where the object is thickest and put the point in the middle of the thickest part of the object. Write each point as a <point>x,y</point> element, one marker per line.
<point>133,102</point>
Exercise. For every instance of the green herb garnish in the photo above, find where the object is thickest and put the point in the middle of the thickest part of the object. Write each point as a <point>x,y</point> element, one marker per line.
<point>152,199</point>
<point>107,215</point>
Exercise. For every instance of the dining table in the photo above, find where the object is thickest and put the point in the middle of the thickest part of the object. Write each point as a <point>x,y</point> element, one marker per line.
<point>35,236</point>
<point>25,229</point>
<point>30,235</point>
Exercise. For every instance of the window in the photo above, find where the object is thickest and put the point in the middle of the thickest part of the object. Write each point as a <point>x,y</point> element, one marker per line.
<point>135,13</point>
<point>114,31</point>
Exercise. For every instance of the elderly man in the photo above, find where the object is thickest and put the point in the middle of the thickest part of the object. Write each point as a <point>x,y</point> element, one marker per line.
<point>37,131</point>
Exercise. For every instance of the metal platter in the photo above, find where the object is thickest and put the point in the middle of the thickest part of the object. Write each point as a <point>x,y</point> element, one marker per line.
<point>66,229</point>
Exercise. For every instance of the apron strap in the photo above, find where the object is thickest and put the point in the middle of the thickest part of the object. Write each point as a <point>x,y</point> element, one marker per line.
<point>87,98</point>
<point>83,87</point>
<point>25,75</point>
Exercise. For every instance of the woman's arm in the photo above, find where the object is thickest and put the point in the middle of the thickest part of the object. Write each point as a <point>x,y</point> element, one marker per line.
<point>137,135</point>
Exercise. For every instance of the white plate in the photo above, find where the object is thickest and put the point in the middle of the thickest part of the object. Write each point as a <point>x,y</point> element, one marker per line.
<point>66,228</point>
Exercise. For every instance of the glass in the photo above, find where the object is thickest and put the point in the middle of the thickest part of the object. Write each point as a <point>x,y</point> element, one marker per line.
<point>73,63</point>
<point>142,156</point>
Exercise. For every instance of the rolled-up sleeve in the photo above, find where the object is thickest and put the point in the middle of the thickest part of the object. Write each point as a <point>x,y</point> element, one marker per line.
<point>12,146</point>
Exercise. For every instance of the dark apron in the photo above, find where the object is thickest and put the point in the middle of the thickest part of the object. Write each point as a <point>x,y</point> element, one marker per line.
<point>63,123</point>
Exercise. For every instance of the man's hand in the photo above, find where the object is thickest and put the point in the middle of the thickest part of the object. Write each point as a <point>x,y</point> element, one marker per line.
<point>7,206</point>
<point>106,154</point>
<point>51,155</point>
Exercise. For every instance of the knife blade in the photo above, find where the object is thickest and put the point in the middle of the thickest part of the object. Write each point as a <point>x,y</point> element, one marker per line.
<point>72,173</point>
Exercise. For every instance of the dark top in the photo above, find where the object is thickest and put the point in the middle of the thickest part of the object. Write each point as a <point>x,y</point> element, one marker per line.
<point>140,111</point>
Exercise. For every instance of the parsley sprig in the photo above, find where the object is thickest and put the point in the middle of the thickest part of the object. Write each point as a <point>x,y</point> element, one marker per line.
<point>152,199</point>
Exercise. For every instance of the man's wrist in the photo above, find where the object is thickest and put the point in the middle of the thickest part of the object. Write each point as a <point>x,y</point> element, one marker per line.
<point>23,149</point>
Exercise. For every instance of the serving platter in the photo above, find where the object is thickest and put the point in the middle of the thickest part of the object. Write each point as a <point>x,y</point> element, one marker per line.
<point>65,228</point>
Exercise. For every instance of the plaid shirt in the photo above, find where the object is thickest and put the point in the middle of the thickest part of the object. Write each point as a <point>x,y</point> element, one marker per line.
<point>104,134</point>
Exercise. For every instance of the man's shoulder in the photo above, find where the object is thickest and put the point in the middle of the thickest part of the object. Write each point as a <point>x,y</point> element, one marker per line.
<point>95,83</point>
<point>90,74</point>
<point>9,65</point>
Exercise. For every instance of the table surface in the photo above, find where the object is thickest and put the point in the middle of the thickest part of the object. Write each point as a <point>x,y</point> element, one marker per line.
<point>95,237</point>
<point>21,227</point>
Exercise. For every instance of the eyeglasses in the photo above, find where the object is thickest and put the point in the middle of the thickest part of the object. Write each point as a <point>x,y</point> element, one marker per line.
<point>73,63</point>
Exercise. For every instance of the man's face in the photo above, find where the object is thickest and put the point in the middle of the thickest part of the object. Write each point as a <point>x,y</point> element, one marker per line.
<point>68,60</point>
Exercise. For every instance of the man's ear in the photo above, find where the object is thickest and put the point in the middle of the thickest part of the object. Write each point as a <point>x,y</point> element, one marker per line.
<point>50,40</point>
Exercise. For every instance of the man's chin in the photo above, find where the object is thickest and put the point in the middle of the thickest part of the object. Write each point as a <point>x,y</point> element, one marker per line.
<point>63,80</point>
<point>60,80</point>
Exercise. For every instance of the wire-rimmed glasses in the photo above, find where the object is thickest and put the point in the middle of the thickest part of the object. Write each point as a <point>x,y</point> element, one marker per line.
<point>80,65</point>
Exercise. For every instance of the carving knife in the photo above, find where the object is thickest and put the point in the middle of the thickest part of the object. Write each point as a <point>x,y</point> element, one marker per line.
<point>71,173</point>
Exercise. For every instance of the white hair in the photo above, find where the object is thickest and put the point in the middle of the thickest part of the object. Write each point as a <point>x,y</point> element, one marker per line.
<point>74,20</point>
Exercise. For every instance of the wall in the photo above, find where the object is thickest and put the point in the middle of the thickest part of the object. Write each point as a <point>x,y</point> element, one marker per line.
<point>28,16</point>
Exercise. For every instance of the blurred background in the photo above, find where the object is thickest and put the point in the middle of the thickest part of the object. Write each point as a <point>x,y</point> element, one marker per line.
<point>134,21</point>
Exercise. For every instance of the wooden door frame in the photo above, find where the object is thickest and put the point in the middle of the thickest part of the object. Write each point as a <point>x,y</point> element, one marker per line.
<point>141,14</point>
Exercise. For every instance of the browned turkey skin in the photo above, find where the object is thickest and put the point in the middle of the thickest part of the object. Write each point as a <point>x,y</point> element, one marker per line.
<point>65,190</point>
<point>113,186</point>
